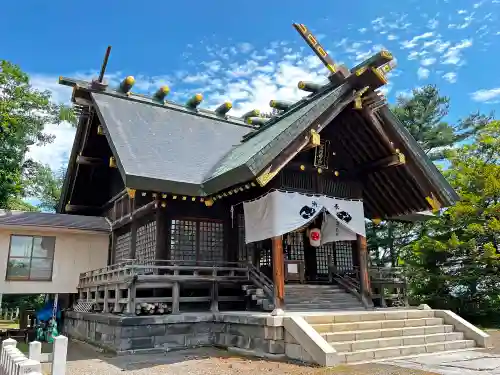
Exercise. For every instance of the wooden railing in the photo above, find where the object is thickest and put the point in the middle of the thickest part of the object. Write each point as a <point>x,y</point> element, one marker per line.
<point>171,270</point>
<point>114,288</point>
<point>260,280</point>
<point>388,284</point>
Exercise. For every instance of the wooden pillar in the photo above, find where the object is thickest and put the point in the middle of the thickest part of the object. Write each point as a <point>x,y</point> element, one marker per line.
<point>364,278</point>
<point>278,275</point>
<point>133,228</point>
<point>162,248</point>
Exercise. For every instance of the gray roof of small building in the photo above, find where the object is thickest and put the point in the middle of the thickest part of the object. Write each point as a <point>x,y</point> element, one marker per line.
<point>50,220</point>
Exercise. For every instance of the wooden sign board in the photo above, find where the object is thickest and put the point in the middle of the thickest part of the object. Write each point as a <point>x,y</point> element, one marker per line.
<point>322,154</point>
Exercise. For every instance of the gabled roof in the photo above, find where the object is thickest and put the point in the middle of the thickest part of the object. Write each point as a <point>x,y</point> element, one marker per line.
<point>162,148</point>
<point>49,220</point>
<point>166,147</point>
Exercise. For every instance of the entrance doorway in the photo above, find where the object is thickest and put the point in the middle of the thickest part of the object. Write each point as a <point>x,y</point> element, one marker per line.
<point>296,248</point>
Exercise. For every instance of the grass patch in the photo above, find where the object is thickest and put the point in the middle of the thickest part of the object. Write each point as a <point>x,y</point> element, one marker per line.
<point>23,347</point>
<point>7,324</point>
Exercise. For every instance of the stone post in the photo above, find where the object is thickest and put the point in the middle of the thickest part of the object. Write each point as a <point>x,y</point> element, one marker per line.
<point>35,350</point>
<point>59,355</point>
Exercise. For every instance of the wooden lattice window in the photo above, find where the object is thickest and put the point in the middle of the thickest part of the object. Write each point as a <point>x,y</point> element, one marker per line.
<point>323,254</point>
<point>183,240</point>
<point>343,256</point>
<point>122,247</point>
<point>265,256</point>
<point>294,246</point>
<point>211,241</point>
<point>145,248</point>
<point>197,240</point>
<point>245,250</point>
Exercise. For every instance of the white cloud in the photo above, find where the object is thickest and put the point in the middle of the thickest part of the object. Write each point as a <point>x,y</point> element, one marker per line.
<point>245,47</point>
<point>428,61</point>
<point>450,77</point>
<point>412,43</point>
<point>486,95</point>
<point>453,55</point>
<point>404,94</point>
<point>433,24</point>
<point>423,73</point>
<point>55,154</point>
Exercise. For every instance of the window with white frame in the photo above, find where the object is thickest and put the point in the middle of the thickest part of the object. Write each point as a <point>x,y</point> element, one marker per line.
<point>30,258</point>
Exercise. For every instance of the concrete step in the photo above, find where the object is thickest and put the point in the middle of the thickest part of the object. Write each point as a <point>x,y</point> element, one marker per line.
<point>374,325</point>
<point>323,307</point>
<point>315,293</point>
<point>408,350</point>
<point>326,304</point>
<point>312,288</point>
<point>388,342</point>
<point>303,308</point>
<point>267,306</point>
<point>376,334</point>
<point>371,316</point>
<point>323,301</point>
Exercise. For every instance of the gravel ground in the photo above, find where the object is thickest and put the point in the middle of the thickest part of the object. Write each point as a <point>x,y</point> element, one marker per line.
<point>83,360</point>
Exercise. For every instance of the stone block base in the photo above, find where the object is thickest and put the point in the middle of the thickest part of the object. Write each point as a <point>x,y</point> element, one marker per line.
<point>257,333</point>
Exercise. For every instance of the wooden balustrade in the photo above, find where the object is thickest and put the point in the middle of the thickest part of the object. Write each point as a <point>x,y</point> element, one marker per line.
<point>387,283</point>
<point>115,288</point>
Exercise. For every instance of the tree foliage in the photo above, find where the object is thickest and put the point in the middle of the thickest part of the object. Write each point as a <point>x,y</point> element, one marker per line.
<point>46,186</point>
<point>24,112</point>
<point>456,263</point>
<point>423,114</point>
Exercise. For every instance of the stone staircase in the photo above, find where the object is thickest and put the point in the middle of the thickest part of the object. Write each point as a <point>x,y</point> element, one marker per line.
<point>257,298</point>
<point>301,297</point>
<point>377,335</point>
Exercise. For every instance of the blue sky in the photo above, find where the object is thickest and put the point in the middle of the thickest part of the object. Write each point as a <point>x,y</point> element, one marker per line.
<point>248,52</point>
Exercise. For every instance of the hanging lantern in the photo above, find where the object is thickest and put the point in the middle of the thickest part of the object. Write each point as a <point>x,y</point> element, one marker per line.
<point>315,237</point>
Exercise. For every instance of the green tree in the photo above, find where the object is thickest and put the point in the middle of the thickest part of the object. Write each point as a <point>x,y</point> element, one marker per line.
<point>456,263</point>
<point>24,112</point>
<point>423,113</point>
<point>46,185</point>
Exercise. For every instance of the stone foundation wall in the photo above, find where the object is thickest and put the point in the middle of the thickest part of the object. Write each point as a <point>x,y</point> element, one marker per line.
<point>260,334</point>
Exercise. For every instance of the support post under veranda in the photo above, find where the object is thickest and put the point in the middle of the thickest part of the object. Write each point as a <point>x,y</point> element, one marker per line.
<point>278,275</point>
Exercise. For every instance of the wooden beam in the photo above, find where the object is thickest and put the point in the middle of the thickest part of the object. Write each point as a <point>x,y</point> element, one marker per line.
<point>136,214</point>
<point>386,162</point>
<point>133,229</point>
<point>283,159</point>
<point>162,246</point>
<point>89,160</point>
<point>80,208</point>
<point>113,199</point>
<point>278,275</point>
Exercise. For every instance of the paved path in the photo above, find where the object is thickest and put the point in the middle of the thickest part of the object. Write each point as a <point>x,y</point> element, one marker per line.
<point>460,363</point>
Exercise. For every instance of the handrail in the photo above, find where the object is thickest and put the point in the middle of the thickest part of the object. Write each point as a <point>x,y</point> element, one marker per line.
<point>133,264</point>
<point>261,280</point>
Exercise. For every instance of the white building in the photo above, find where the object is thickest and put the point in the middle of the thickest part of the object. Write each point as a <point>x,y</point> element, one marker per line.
<point>42,253</point>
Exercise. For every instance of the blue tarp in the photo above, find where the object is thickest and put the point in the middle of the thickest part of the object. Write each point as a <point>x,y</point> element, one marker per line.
<point>45,313</point>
